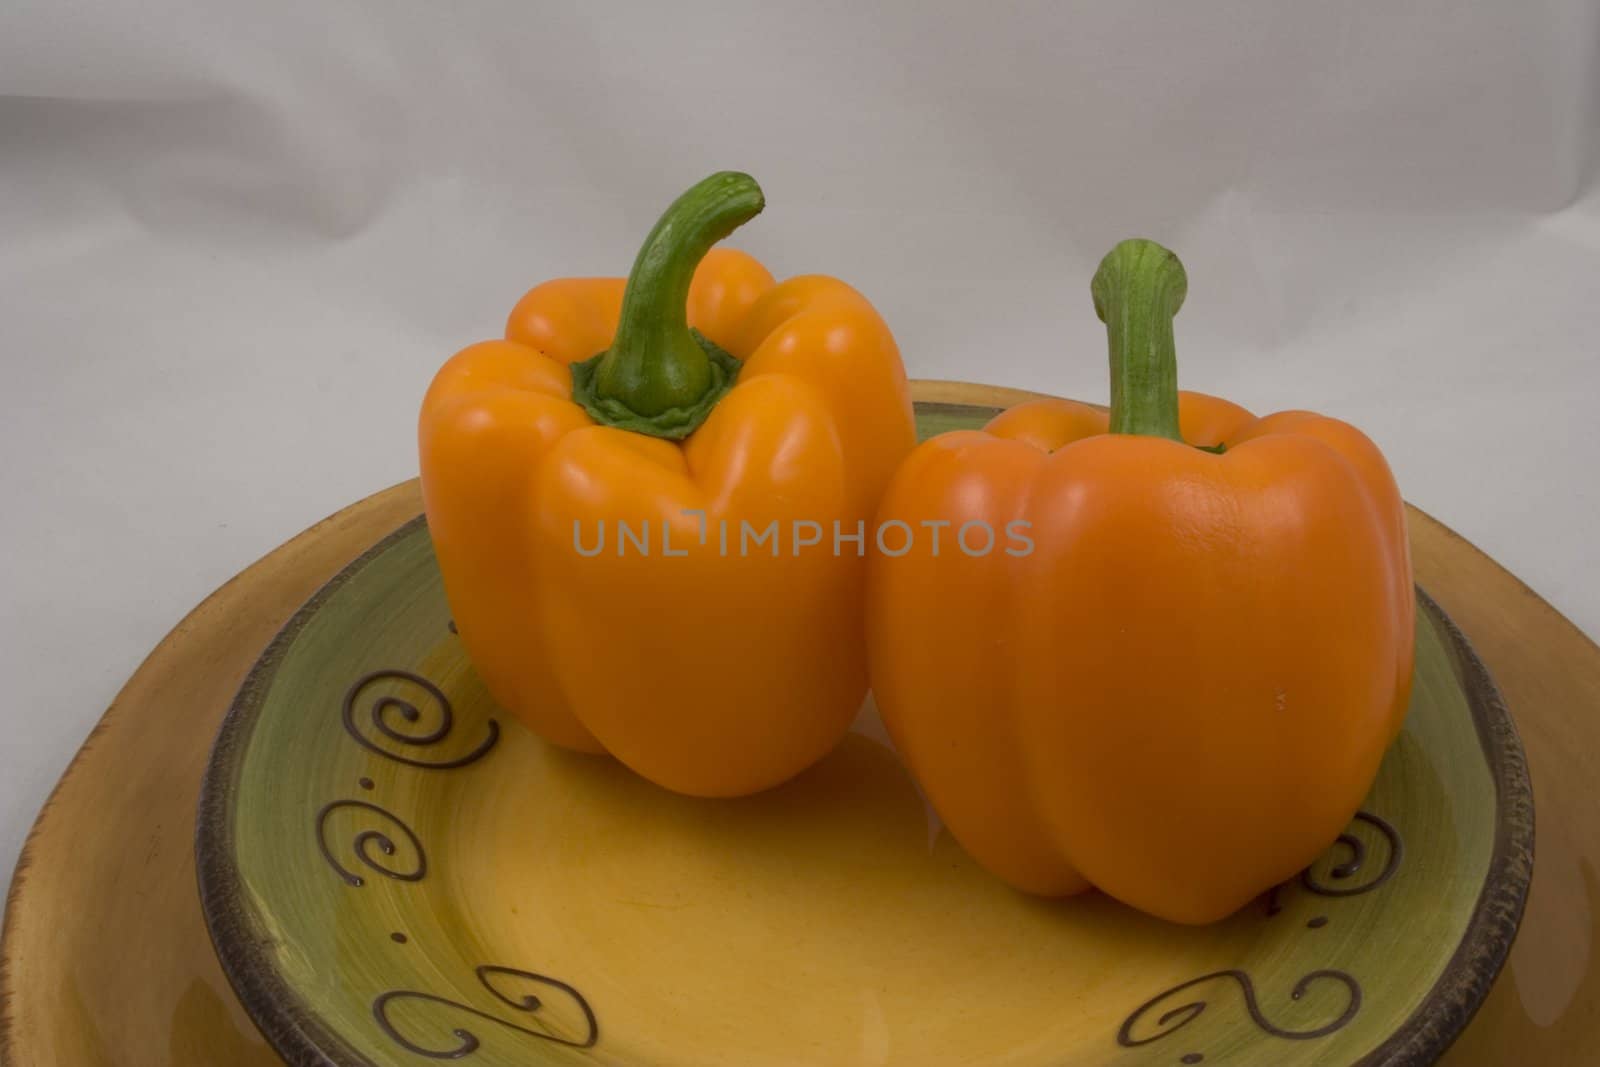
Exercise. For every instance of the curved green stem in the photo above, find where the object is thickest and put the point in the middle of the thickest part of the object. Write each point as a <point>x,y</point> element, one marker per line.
<point>659,377</point>
<point>1138,289</point>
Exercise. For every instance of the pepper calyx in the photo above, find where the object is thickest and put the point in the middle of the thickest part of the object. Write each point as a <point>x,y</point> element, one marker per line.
<point>675,423</point>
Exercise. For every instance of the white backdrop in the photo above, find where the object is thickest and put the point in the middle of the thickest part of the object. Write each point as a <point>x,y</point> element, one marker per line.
<point>237,238</point>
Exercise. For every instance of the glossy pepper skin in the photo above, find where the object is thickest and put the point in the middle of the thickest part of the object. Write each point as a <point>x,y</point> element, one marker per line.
<point>1182,693</point>
<point>711,674</point>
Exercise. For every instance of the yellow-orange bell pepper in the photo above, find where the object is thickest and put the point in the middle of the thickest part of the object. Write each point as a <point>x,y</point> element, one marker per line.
<point>1174,675</point>
<point>579,504</point>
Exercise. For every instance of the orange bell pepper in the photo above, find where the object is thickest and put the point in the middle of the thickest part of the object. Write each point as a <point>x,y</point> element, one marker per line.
<point>1175,675</point>
<point>722,410</point>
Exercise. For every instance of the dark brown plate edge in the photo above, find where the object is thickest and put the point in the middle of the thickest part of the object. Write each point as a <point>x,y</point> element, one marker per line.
<point>296,1032</point>
<point>289,1024</point>
<point>1477,961</point>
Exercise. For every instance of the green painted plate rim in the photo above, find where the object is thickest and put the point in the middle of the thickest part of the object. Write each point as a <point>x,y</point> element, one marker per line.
<point>295,1030</point>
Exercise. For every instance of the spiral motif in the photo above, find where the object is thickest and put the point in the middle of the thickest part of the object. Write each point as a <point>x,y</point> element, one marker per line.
<point>1175,1019</point>
<point>1358,859</point>
<point>372,847</point>
<point>468,1042</point>
<point>1353,865</point>
<point>397,719</point>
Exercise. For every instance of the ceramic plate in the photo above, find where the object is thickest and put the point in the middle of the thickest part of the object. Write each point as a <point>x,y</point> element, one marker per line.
<point>395,873</point>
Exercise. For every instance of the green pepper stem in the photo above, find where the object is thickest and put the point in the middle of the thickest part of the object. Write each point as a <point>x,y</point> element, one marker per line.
<point>659,376</point>
<point>1137,291</point>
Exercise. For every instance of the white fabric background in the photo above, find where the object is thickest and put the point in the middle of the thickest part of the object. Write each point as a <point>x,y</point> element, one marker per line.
<point>239,237</point>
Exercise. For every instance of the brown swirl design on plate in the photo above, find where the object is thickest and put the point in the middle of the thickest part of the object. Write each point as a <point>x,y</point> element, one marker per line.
<point>1358,860</point>
<point>467,1041</point>
<point>372,847</point>
<point>385,709</point>
<point>1175,1019</point>
<point>1352,866</point>
<point>1180,1016</point>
